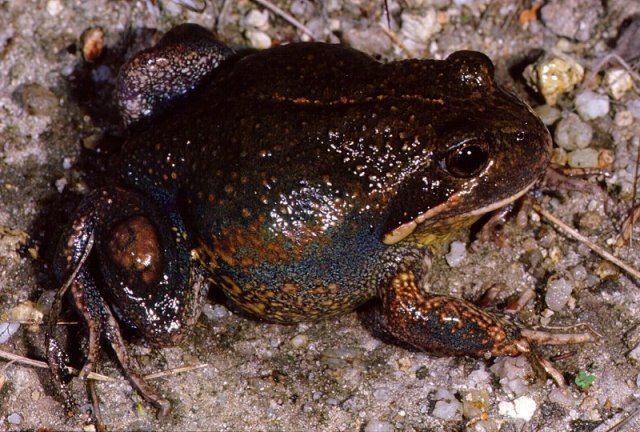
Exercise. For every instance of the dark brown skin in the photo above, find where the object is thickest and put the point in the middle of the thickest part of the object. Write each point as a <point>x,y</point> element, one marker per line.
<point>302,181</point>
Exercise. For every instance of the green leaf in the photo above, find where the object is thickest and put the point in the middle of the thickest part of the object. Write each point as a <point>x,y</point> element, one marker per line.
<point>584,380</point>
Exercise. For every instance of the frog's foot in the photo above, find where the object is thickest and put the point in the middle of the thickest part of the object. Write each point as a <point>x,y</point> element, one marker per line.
<point>155,78</point>
<point>144,259</point>
<point>451,326</point>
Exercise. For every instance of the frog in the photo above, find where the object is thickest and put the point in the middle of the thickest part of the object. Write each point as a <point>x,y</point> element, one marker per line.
<point>302,181</point>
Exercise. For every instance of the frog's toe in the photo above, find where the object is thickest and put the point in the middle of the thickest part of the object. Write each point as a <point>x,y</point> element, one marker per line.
<point>154,78</point>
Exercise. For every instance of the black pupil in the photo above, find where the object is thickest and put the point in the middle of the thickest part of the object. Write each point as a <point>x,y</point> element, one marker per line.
<point>467,161</point>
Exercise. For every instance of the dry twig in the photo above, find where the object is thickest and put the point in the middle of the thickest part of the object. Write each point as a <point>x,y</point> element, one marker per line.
<point>591,245</point>
<point>396,40</point>
<point>175,371</point>
<point>40,364</point>
<point>285,16</point>
<point>96,376</point>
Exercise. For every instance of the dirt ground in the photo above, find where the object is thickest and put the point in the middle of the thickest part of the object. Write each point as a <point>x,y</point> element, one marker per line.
<point>58,127</point>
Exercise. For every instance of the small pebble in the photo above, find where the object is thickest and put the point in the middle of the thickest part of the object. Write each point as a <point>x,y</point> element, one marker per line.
<point>583,158</point>
<point>381,394</point>
<point>475,403</point>
<point>605,158</point>
<point>258,39</point>
<point>14,418</point>
<point>449,409</point>
<point>39,100</point>
<point>633,106</point>
<point>590,221</point>
<point>525,407</point>
<point>45,301</point>
<point>618,81</point>
<point>299,341</point>
<point>54,7</point>
<point>214,312</point>
<point>623,118</point>
<point>561,397</point>
<point>553,76</point>
<point>7,329</point>
<point>378,426</point>
<point>513,374</point>
<point>257,19</point>
<point>591,105</point>
<point>559,156</point>
<point>418,29</point>
<point>558,292</point>
<point>457,253</point>
<point>572,133</point>
<point>92,44</point>
<point>102,74</point>
<point>66,163</point>
<point>61,183</point>
<point>548,114</point>
<point>634,354</point>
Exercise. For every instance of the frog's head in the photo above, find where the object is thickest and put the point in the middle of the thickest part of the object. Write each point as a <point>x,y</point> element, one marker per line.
<point>486,149</point>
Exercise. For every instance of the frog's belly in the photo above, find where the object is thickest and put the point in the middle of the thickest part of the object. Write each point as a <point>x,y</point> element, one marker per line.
<point>289,289</point>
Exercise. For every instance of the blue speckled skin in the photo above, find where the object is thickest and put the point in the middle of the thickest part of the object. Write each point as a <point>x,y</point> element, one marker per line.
<point>305,180</point>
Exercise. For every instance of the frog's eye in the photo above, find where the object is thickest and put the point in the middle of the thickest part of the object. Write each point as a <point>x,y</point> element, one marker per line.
<point>466,160</point>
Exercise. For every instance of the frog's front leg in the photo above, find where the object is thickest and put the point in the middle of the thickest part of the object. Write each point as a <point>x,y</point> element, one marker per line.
<point>443,324</point>
<point>146,279</point>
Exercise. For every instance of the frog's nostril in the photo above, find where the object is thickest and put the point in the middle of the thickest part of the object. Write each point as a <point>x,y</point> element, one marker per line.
<point>134,246</point>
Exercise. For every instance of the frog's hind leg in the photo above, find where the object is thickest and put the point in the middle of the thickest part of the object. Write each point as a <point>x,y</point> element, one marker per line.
<point>145,263</point>
<point>155,78</point>
<point>447,325</point>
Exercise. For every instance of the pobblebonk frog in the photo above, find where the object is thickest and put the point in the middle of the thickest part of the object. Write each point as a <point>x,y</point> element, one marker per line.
<point>302,181</point>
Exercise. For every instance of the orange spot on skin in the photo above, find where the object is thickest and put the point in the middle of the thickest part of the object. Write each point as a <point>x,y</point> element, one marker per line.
<point>290,288</point>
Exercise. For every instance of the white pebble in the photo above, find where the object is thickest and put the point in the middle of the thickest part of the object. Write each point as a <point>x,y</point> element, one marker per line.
<point>54,7</point>
<point>618,82</point>
<point>633,106</point>
<point>525,407</point>
<point>635,353</point>
<point>258,39</point>
<point>457,253</point>
<point>623,118</point>
<point>572,133</point>
<point>561,397</point>
<point>7,329</point>
<point>513,374</point>
<point>583,158</point>
<point>378,426</point>
<point>419,28</point>
<point>14,418</point>
<point>61,183</point>
<point>591,105</point>
<point>506,409</point>
<point>214,312</point>
<point>558,292</point>
<point>447,410</point>
<point>299,341</point>
<point>258,19</point>
<point>548,114</point>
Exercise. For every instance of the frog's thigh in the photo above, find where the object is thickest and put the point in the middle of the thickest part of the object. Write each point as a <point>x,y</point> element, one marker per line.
<point>183,59</point>
<point>440,324</point>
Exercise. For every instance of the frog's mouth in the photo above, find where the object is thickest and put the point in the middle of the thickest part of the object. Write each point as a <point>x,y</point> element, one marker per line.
<point>408,228</point>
